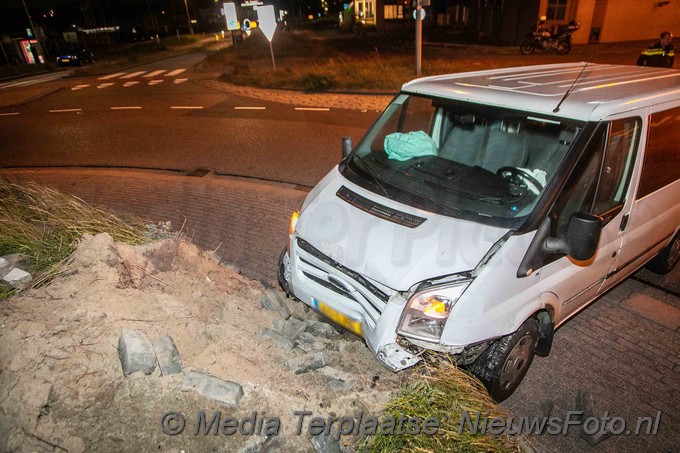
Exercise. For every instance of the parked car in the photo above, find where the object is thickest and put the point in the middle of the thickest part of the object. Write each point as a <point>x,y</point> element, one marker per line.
<point>483,210</point>
<point>75,57</point>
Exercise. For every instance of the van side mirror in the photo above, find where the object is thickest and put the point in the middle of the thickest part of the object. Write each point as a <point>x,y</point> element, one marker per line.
<point>580,242</point>
<point>346,146</point>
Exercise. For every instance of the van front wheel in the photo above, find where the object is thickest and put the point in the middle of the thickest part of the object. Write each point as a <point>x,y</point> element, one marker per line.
<point>503,365</point>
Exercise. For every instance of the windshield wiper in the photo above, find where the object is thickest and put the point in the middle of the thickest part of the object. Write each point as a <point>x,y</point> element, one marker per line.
<point>374,175</point>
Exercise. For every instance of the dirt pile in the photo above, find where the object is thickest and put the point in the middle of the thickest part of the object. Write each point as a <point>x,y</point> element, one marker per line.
<point>61,383</point>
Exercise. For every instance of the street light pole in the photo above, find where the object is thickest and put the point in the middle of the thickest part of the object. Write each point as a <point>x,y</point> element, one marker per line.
<point>191,29</point>
<point>419,36</point>
<point>35,33</point>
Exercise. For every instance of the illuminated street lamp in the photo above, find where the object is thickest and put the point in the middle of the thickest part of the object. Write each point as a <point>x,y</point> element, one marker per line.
<point>191,29</point>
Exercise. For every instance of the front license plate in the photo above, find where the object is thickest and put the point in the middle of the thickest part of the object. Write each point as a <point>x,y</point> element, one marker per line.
<point>65,60</point>
<point>340,319</point>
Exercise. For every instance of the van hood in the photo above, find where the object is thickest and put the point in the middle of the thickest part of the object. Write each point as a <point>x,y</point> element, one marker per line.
<point>397,256</point>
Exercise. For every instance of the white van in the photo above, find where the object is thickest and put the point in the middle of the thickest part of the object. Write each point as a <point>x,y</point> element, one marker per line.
<point>482,210</point>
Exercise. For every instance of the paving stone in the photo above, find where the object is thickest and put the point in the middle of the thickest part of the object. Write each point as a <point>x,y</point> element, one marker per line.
<point>169,360</point>
<point>320,329</point>
<point>308,362</point>
<point>273,301</point>
<point>17,278</point>
<point>136,352</point>
<point>309,343</point>
<point>292,328</point>
<point>226,392</point>
<point>325,443</point>
<point>277,339</point>
<point>5,267</point>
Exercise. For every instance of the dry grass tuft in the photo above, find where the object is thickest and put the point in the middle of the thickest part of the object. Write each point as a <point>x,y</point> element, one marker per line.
<point>44,227</point>
<point>442,392</point>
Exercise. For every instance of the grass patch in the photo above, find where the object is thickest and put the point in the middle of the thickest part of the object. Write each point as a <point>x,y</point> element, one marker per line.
<point>44,226</point>
<point>442,392</point>
<point>331,60</point>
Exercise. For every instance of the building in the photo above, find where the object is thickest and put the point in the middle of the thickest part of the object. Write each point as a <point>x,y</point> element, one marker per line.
<point>507,21</point>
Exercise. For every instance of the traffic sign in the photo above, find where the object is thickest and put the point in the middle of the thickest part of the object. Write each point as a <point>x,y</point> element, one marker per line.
<point>422,14</point>
<point>230,16</point>
<point>267,19</point>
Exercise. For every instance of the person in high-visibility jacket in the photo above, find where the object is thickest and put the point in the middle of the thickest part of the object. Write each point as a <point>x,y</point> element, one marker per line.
<point>659,54</point>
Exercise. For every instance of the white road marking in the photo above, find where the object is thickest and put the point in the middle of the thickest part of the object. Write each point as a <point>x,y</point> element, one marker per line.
<point>250,108</point>
<point>186,107</point>
<point>155,73</point>
<point>175,72</point>
<point>134,74</point>
<point>9,114</point>
<point>180,80</point>
<point>313,109</point>
<point>131,107</point>
<point>79,87</point>
<point>129,84</point>
<point>155,81</point>
<point>66,110</point>
<point>105,85</point>
<point>112,76</point>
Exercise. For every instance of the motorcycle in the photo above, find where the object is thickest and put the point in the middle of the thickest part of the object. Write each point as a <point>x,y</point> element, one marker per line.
<point>543,40</point>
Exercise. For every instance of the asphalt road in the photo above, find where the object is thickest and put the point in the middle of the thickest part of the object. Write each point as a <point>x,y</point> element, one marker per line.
<point>159,116</point>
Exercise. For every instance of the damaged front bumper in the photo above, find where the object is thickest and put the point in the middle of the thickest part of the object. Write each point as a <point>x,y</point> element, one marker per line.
<point>348,299</point>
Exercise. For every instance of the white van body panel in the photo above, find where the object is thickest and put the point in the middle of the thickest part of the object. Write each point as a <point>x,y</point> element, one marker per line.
<point>393,255</point>
<point>368,268</point>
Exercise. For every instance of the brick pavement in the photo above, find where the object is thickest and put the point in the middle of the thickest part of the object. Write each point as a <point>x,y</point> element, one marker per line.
<point>246,221</point>
<point>626,361</point>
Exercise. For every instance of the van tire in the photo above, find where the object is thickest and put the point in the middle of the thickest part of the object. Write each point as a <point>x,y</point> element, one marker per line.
<point>503,365</point>
<point>667,258</point>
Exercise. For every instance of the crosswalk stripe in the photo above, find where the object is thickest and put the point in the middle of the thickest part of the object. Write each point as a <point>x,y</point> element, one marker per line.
<point>180,80</point>
<point>175,72</point>
<point>105,85</point>
<point>79,87</point>
<point>112,76</point>
<point>154,73</point>
<point>155,82</point>
<point>129,84</point>
<point>134,74</point>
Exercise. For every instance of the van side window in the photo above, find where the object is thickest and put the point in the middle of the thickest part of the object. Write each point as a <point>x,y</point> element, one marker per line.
<point>617,170</point>
<point>600,182</point>
<point>662,157</point>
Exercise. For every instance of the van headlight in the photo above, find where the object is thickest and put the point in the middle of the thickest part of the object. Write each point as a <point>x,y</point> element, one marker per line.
<point>291,227</point>
<point>426,312</point>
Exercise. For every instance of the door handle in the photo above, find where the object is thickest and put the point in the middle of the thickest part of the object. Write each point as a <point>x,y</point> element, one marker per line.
<point>624,222</point>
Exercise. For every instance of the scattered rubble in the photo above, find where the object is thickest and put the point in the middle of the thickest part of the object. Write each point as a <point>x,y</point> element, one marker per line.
<point>17,278</point>
<point>84,375</point>
<point>136,353</point>
<point>226,392</point>
<point>11,275</point>
<point>169,360</point>
<point>307,362</point>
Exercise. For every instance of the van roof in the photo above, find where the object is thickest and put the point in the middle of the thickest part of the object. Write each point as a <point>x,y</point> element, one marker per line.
<point>600,91</point>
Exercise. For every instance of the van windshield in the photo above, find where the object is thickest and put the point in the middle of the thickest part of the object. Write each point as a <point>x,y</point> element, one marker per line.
<point>463,160</point>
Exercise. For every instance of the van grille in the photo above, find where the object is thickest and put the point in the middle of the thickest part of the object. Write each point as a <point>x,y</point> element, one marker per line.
<point>320,269</point>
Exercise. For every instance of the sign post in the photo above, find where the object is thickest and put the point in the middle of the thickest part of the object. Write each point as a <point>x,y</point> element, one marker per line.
<point>265,14</point>
<point>419,36</point>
